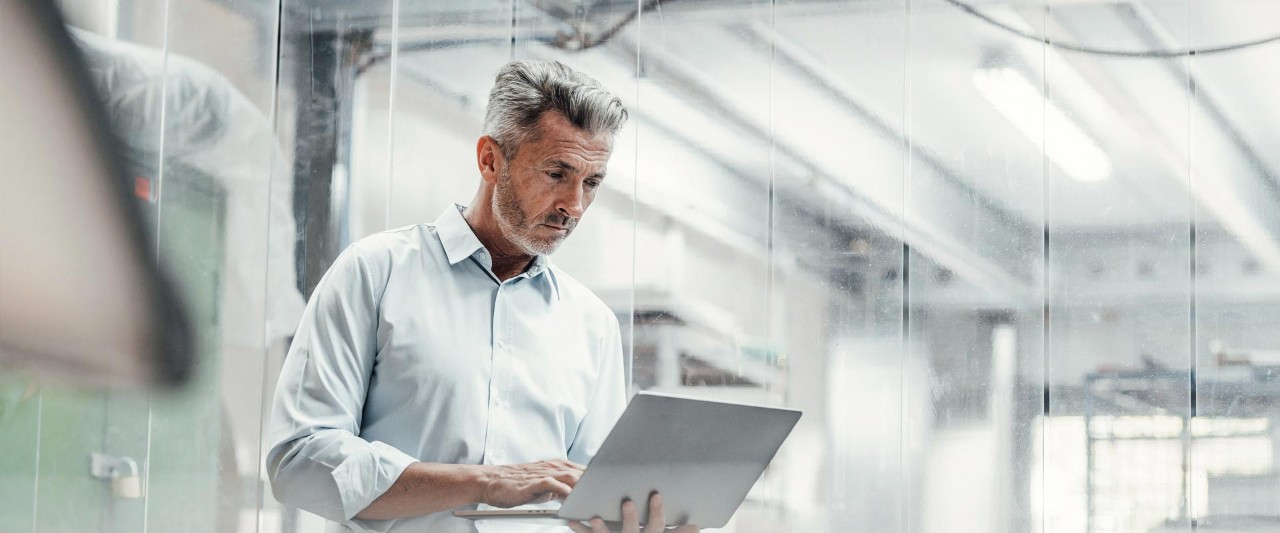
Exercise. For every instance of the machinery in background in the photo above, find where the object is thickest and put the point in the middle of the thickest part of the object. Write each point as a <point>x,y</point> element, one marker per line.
<point>679,344</point>
<point>1165,448</point>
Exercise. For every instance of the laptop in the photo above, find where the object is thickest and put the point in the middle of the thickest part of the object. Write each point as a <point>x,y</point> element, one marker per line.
<point>703,456</point>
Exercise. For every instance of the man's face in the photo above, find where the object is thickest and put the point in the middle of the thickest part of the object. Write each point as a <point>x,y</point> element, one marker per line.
<point>543,191</point>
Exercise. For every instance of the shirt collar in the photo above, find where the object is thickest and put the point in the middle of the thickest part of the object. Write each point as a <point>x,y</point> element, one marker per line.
<point>542,266</point>
<point>460,243</point>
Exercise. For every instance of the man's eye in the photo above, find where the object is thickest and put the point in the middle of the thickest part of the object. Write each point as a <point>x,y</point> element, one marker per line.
<point>593,183</point>
<point>556,175</point>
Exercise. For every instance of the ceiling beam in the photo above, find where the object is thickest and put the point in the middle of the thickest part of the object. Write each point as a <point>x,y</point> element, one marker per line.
<point>993,273</point>
<point>1243,207</point>
<point>937,188</point>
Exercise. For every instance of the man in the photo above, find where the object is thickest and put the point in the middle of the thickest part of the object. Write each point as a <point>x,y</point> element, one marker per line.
<point>451,364</point>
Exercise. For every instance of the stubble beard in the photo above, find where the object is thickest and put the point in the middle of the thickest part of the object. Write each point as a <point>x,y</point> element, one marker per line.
<point>513,221</point>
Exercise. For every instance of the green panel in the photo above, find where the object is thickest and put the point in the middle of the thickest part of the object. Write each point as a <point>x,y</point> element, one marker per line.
<point>125,414</point>
<point>19,416</point>
<point>68,499</point>
<point>186,423</point>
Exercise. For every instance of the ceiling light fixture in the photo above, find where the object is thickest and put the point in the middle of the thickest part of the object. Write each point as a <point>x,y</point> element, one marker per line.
<point>1064,141</point>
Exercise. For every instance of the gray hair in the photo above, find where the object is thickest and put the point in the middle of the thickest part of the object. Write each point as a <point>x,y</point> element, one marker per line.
<point>525,89</point>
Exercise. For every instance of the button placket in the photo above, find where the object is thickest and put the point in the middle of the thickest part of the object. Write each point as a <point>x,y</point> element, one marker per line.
<point>494,441</point>
<point>504,385</point>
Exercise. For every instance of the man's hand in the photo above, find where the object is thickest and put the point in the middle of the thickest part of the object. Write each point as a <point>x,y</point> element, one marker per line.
<point>631,522</point>
<point>511,485</point>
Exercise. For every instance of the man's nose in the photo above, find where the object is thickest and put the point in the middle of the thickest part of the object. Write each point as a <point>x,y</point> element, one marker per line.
<point>571,202</point>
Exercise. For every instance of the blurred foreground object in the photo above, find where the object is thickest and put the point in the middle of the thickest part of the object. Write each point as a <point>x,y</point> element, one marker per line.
<point>81,295</point>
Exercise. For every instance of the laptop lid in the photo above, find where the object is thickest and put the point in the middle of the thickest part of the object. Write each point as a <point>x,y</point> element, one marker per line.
<point>703,456</point>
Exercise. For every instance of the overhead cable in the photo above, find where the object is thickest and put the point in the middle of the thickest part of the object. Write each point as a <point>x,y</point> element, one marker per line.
<point>1132,54</point>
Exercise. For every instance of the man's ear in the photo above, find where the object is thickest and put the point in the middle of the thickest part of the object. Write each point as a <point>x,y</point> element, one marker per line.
<point>489,158</point>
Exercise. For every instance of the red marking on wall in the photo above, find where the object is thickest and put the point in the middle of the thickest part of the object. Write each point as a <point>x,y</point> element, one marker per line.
<point>142,188</point>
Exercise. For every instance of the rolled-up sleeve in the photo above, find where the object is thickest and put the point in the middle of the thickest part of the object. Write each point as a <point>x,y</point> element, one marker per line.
<point>317,461</point>
<point>608,400</point>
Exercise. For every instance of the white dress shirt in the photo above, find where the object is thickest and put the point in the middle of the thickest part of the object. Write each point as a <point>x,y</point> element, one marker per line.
<point>412,350</point>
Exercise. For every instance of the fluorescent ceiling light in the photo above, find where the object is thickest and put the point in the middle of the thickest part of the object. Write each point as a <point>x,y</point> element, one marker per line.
<point>1065,142</point>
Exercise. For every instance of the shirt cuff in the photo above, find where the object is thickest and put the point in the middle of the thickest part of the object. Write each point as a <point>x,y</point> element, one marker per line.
<point>364,476</point>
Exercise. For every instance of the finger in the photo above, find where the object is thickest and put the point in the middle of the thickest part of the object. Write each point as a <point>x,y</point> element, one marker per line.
<point>547,489</point>
<point>598,525</point>
<point>630,522</point>
<point>569,477</point>
<point>657,522</point>
<point>543,490</point>
<point>577,527</point>
<point>567,464</point>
